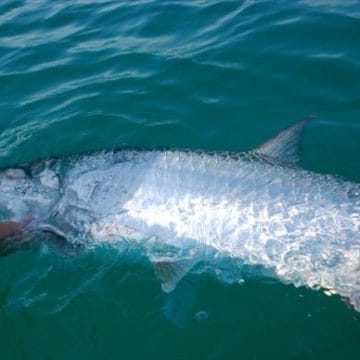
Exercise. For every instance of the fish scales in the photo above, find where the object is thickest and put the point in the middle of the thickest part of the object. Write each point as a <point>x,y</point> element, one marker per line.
<point>259,207</point>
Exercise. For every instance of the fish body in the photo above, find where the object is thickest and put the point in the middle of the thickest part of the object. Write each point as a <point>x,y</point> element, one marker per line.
<point>184,207</point>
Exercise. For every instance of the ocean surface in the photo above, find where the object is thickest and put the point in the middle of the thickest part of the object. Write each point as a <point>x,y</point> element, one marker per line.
<point>218,75</point>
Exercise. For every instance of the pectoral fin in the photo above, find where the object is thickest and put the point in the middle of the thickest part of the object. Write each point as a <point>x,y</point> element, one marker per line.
<point>285,147</point>
<point>170,271</point>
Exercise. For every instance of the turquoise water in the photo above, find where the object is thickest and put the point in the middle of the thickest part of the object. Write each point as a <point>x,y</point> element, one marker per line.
<point>219,75</point>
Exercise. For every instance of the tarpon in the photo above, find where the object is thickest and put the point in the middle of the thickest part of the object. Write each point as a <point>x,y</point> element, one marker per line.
<point>258,209</point>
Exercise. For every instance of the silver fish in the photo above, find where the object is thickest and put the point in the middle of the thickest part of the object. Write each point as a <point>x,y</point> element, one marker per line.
<point>259,209</point>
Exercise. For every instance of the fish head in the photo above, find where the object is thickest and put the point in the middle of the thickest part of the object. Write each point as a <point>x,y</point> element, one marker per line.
<point>14,186</point>
<point>25,200</point>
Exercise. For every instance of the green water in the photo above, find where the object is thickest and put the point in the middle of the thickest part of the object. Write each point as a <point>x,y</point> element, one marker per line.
<point>221,75</point>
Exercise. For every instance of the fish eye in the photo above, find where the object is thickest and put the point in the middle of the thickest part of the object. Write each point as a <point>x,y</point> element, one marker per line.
<point>15,174</point>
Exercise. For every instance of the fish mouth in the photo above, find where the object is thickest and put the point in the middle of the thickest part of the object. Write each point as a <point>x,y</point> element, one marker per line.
<point>14,235</point>
<point>9,228</point>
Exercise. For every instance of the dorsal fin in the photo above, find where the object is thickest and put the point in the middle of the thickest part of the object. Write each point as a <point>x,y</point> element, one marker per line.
<point>285,147</point>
